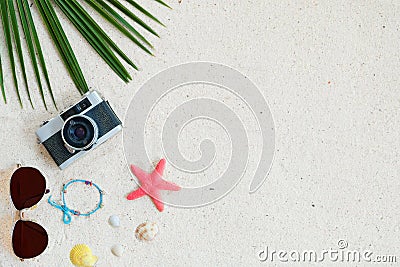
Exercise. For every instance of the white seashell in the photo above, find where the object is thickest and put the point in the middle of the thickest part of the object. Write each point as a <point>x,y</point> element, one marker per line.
<point>114,221</point>
<point>117,250</point>
<point>146,231</point>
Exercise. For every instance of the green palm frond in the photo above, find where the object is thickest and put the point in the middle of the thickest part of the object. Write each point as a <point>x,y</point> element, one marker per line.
<point>7,35</point>
<point>34,46</point>
<point>12,11</point>
<point>162,3</point>
<point>119,22</point>
<point>17,40</point>
<point>3,92</point>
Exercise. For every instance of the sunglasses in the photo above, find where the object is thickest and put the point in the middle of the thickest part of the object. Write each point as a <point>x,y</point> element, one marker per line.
<point>27,187</point>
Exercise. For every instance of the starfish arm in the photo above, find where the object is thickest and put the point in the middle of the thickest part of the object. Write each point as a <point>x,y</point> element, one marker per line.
<point>155,196</point>
<point>160,167</point>
<point>151,184</point>
<point>165,185</point>
<point>139,173</point>
<point>136,194</point>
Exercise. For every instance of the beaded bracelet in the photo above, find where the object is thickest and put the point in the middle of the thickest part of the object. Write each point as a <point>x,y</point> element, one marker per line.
<point>67,211</point>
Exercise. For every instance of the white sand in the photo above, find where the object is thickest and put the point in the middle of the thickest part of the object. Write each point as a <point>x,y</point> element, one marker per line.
<point>330,75</point>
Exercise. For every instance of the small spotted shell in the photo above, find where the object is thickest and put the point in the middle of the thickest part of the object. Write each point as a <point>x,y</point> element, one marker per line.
<point>146,231</point>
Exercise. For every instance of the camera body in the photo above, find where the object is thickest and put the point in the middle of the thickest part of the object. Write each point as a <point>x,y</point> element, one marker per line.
<point>79,129</point>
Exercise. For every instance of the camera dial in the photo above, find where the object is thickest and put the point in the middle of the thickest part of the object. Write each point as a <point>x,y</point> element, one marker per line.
<point>79,132</point>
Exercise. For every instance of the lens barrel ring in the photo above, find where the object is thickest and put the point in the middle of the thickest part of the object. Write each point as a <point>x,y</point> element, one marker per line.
<point>79,132</point>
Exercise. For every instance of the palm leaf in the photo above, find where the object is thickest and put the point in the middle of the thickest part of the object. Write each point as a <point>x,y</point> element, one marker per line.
<point>144,11</point>
<point>34,45</point>
<point>60,39</point>
<point>7,35</point>
<point>162,3</point>
<point>100,41</point>
<point>119,22</point>
<point>3,91</point>
<point>31,48</point>
<point>103,35</point>
<point>132,16</point>
<point>95,36</point>
<point>17,40</point>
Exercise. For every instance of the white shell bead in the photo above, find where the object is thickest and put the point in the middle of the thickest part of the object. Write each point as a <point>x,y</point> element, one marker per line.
<point>114,221</point>
<point>117,250</point>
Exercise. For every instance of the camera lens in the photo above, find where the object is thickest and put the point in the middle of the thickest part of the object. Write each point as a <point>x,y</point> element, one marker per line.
<point>79,132</point>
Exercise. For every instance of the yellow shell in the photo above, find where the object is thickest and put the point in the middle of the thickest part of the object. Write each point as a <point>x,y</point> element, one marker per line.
<point>81,256</point>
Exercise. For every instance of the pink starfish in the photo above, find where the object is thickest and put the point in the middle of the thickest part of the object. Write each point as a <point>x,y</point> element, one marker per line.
<point>151,184</point>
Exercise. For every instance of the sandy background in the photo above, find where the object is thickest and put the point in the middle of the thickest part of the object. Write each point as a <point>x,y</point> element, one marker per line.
<point>329,71</point>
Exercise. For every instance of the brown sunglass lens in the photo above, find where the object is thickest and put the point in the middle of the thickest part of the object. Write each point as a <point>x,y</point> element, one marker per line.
<point>27,187</point>
<point>29,239</point>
